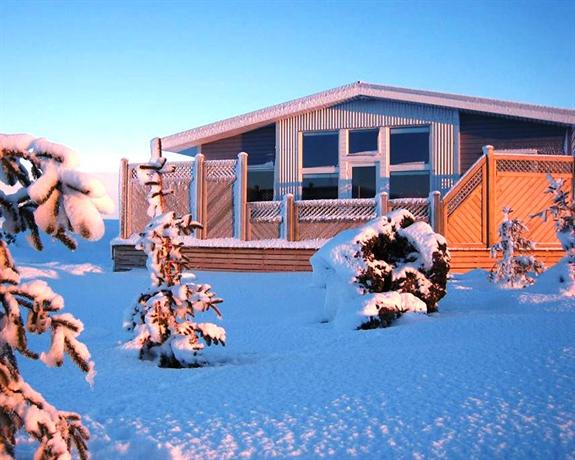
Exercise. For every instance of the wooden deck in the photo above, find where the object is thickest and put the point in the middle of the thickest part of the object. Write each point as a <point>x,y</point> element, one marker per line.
<point>295,260</point>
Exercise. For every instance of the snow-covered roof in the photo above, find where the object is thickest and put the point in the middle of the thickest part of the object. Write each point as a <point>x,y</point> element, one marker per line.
<point>252,120</point>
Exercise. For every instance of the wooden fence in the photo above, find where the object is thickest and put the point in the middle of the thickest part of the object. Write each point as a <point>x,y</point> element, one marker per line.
<point>472,210</point>
<point>215,193</point>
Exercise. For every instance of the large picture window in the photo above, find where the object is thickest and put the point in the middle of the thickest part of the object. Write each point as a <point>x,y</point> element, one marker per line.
<point>320,165</point>
<point>409,184</point>
<point>363,141</point>
<point>363,182</point>
<point>409,145</point>
<point>319,186</point>
<point>320,149</point>
<point>260,184</point>
<point>409,162</point>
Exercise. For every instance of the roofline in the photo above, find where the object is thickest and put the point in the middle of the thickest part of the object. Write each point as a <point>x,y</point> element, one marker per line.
<point>262,117</point>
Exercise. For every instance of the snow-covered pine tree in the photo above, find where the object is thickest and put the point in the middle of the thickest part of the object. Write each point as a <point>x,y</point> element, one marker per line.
<point>163,318</point>
<point>562,211</point>
<point>49,196</point>
<point>516,266</point>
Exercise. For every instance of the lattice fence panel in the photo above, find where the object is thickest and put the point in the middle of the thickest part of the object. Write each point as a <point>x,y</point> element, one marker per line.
<point>178,179</point>
<point>537,165</point>
<point>265,220</point>
<point>335,210</point>
<point>419,207</point>
<point>471,185</point>
<point>220,177</point>
<point>220,170</point>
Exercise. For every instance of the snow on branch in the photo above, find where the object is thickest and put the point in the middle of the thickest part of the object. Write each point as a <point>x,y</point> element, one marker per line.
<point>517,266</point>
<point>52,197</point>
<point>163,318</point>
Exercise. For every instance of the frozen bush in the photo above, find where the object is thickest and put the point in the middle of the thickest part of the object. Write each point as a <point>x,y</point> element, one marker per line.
<point>374,273</point>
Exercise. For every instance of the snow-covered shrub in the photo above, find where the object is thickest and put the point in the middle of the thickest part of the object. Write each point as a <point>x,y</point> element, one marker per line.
<point>562,211</point>
<point>516,268</point>
<point>52,197</point>
<point>374,273</point>
<point>163,318</point>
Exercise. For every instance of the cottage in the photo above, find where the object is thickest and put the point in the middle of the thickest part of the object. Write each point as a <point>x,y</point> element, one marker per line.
<point>337,158</point>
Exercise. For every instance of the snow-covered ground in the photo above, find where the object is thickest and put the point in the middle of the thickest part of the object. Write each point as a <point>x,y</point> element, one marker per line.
<point>489,376</point>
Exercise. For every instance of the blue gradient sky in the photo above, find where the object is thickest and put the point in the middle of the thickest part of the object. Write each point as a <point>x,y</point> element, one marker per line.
<point>105,77</point>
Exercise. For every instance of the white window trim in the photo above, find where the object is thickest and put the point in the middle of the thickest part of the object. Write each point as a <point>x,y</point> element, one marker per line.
<point>415,166</point>
<point>320,170</point>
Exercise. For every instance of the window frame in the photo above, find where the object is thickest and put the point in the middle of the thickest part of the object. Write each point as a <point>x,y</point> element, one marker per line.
<point>363,152</point>
<point>413,167</point>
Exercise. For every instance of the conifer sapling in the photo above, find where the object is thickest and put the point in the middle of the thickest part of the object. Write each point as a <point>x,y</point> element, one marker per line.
<point>515,268</point>
<point>562,211</point>
<point>52,197</point>
<point>163,318</point>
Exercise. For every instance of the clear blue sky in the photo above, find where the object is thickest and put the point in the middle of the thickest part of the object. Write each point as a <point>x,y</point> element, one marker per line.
<point>105,77</point>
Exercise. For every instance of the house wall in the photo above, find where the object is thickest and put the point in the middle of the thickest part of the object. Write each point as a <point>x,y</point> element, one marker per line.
<point>259,144</point>
<point>477,130</point>
<point>369,113</point>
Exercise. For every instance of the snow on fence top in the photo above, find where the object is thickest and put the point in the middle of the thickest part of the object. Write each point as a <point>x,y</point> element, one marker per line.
<point>265,212</point>
<point>335,210</point>
<point>220,170</point>
<point>419,207</point>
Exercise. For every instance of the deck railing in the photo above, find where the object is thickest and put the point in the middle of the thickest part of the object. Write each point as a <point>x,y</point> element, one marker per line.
<point>215,193</point>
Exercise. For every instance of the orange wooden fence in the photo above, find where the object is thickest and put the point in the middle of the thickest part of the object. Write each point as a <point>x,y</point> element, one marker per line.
<point>471,210</point>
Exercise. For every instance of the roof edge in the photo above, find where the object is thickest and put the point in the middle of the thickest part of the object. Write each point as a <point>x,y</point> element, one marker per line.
<point>258,118</point>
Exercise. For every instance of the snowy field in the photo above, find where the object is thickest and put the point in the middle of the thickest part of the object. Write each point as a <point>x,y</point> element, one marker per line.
<point>489,376</point>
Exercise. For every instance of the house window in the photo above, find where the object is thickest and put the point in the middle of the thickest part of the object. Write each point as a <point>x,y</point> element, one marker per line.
<point>320,165</point>
<point>319,186</point>
<point>409,162</point>
<point>409,145</point>
<point>363,182</point>
<point>260,184</point>
<point>363,140</point>
<point>409,184</point>
<point>320,149</point>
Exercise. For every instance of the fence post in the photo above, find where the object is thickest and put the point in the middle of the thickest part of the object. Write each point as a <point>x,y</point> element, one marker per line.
<point>123,199</point>
<point>199,211</point>
<point>288,218</point>
<point>241,197</point>
<point>155,149</point>
<point>381,204</point>
<point>491,165</point>
<point>435,210</point>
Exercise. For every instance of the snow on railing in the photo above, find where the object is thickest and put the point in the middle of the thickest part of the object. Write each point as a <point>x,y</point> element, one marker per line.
<point>419,207</point>
<point>335,210</point>
<point>220,170</point>
<point>265,212</point>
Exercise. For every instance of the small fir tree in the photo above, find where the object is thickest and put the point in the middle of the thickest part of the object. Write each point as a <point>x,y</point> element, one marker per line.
<point>515,268</point>
<point>52,197</point>
<point>562,211</point>
<point>163,318</point>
